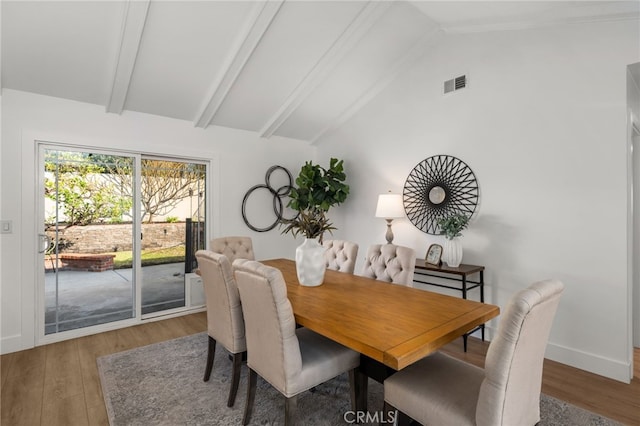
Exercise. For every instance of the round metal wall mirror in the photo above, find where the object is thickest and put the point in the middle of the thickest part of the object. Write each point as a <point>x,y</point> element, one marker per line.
<point>438,187</point>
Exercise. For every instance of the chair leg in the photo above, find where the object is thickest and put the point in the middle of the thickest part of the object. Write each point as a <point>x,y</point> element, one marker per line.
<point>235,378</point>
<point>403,419</point>
<point>251,394</point>
<point>390,413</point>
<point>211,353</point>
<point>290,411</point>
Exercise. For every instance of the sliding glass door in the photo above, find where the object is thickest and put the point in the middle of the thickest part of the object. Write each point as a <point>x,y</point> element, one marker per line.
<point>172,193</point>
<point>87,226</point>
<point>118,235</point>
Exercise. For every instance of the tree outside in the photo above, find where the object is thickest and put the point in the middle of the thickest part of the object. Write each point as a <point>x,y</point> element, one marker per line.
<point>92,189</point>
<point>97,188</point>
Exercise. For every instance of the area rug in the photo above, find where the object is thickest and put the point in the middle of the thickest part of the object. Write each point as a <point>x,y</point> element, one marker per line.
<point>161,384</point>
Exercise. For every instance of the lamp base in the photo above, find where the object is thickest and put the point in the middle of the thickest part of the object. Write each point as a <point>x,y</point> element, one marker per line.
<point>389,234</point>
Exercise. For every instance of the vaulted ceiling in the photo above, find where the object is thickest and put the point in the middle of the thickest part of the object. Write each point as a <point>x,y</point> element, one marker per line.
<point>290,68</point>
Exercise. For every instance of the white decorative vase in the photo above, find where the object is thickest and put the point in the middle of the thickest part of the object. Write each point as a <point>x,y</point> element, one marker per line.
<point>452,252</point>
<point>310,263</point>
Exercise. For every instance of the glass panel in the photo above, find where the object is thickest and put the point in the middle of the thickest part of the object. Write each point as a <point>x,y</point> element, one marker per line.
<point>87,204</point>
<point>172,214</point>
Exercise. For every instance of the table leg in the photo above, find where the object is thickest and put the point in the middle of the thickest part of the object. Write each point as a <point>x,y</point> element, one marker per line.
<point>362,391</point>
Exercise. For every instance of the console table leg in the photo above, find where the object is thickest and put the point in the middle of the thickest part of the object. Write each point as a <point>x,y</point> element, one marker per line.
<point>482,296</point>
<point>464,286</point>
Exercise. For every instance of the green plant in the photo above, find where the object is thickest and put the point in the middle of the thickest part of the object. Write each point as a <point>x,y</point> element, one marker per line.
<point>171,219</point>
<point>317,190</point>
<point>451,226</point>
<point>77,185</point>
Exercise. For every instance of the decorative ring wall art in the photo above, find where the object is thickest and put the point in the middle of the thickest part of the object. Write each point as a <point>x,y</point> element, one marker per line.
<point>277,194</point>
<point>438,187</point>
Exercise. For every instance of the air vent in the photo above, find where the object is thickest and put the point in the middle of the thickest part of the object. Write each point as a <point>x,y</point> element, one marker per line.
<point>455,84</point>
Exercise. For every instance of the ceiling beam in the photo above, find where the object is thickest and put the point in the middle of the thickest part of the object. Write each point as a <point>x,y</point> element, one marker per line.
<point>418,49</point>
<point>252,32</point>
<point>134,19</point>
<point>352,34</point>
<point>587,12</point>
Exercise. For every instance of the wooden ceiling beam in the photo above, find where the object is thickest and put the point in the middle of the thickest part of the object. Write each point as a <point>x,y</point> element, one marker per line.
<point>133,22</point>
<point>352,34</point>
<point>254,29</point>
<point>418,49</point>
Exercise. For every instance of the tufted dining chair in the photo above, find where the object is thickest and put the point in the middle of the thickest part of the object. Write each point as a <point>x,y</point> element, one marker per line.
<point>439,389</point>
<point>233,247</point>
<point>391,263</point>
<point>225,323</point>
<point>340,255</point>
<point>291,360</point>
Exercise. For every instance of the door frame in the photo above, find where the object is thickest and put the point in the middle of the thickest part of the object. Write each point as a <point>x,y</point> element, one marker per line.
<point>32,291</point>
<point>633,216</point>
<point>635,232</point>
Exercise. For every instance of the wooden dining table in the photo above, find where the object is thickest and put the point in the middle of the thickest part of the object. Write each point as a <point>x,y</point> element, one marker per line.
<point>391,324</point>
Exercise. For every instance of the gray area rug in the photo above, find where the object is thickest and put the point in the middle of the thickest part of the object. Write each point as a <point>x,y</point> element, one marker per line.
<point>162,384</point>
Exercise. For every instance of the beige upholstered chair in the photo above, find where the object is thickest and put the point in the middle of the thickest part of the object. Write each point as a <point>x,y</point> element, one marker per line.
<point>391,263</point>
<point>225,323</point>
<point>340,255</point>
<point>291,360</point>
<point>234,247</point>
<point>441,390</point>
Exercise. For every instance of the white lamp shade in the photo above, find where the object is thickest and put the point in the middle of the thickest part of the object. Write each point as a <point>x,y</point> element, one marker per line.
<point>390,206</point>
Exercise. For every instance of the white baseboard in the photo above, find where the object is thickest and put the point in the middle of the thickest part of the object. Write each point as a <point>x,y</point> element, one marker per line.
<point>11,344</point>
<point>607,367</point>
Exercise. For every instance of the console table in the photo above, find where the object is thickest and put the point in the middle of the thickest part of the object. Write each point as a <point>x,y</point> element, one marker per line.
<point>460,274</point>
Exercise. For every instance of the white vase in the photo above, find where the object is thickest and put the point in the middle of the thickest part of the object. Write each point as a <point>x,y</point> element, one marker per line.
<point>452,252</point>
<point>310,263</point>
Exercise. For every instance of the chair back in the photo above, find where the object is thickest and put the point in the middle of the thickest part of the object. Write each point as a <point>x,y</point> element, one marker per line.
<point>340,255</point>
<point>225,322</point>
<point>234,247</point>
<point>510,391</point>
<point>273,350</point>
<point>391,263</point>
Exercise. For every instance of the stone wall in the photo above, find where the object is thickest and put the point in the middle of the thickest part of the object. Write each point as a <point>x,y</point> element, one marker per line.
<point>118,237</point>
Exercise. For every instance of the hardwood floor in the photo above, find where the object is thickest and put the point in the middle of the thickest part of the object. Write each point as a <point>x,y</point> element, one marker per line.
<point>58,384</point>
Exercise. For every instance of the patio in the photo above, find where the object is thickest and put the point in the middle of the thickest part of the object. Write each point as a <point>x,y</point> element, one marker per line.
<point>91,298</point>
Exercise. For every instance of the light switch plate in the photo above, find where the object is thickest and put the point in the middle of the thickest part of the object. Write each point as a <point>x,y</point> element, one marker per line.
<point>6,226</point>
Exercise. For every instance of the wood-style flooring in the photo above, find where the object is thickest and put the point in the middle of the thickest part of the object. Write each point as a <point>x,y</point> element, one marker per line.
<point>58,384</point>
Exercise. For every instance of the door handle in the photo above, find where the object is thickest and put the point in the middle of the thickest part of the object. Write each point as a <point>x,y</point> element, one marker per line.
<point>44,243</point>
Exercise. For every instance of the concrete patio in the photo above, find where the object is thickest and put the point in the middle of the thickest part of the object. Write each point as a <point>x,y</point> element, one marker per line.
<point>91,298</point>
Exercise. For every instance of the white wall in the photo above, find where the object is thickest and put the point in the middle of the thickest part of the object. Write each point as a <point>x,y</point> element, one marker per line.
<point>543,126</point>
<point>240,161</point>
<point>1,216</point>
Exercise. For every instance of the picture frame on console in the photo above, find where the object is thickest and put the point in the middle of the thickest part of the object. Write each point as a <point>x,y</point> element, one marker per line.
<point>434,255</point>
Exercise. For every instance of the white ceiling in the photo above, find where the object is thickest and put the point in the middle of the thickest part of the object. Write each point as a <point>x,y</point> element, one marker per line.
<point>289,68</point>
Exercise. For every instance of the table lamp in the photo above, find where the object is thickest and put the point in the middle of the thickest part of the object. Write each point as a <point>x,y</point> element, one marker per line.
<point>390,207</point>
